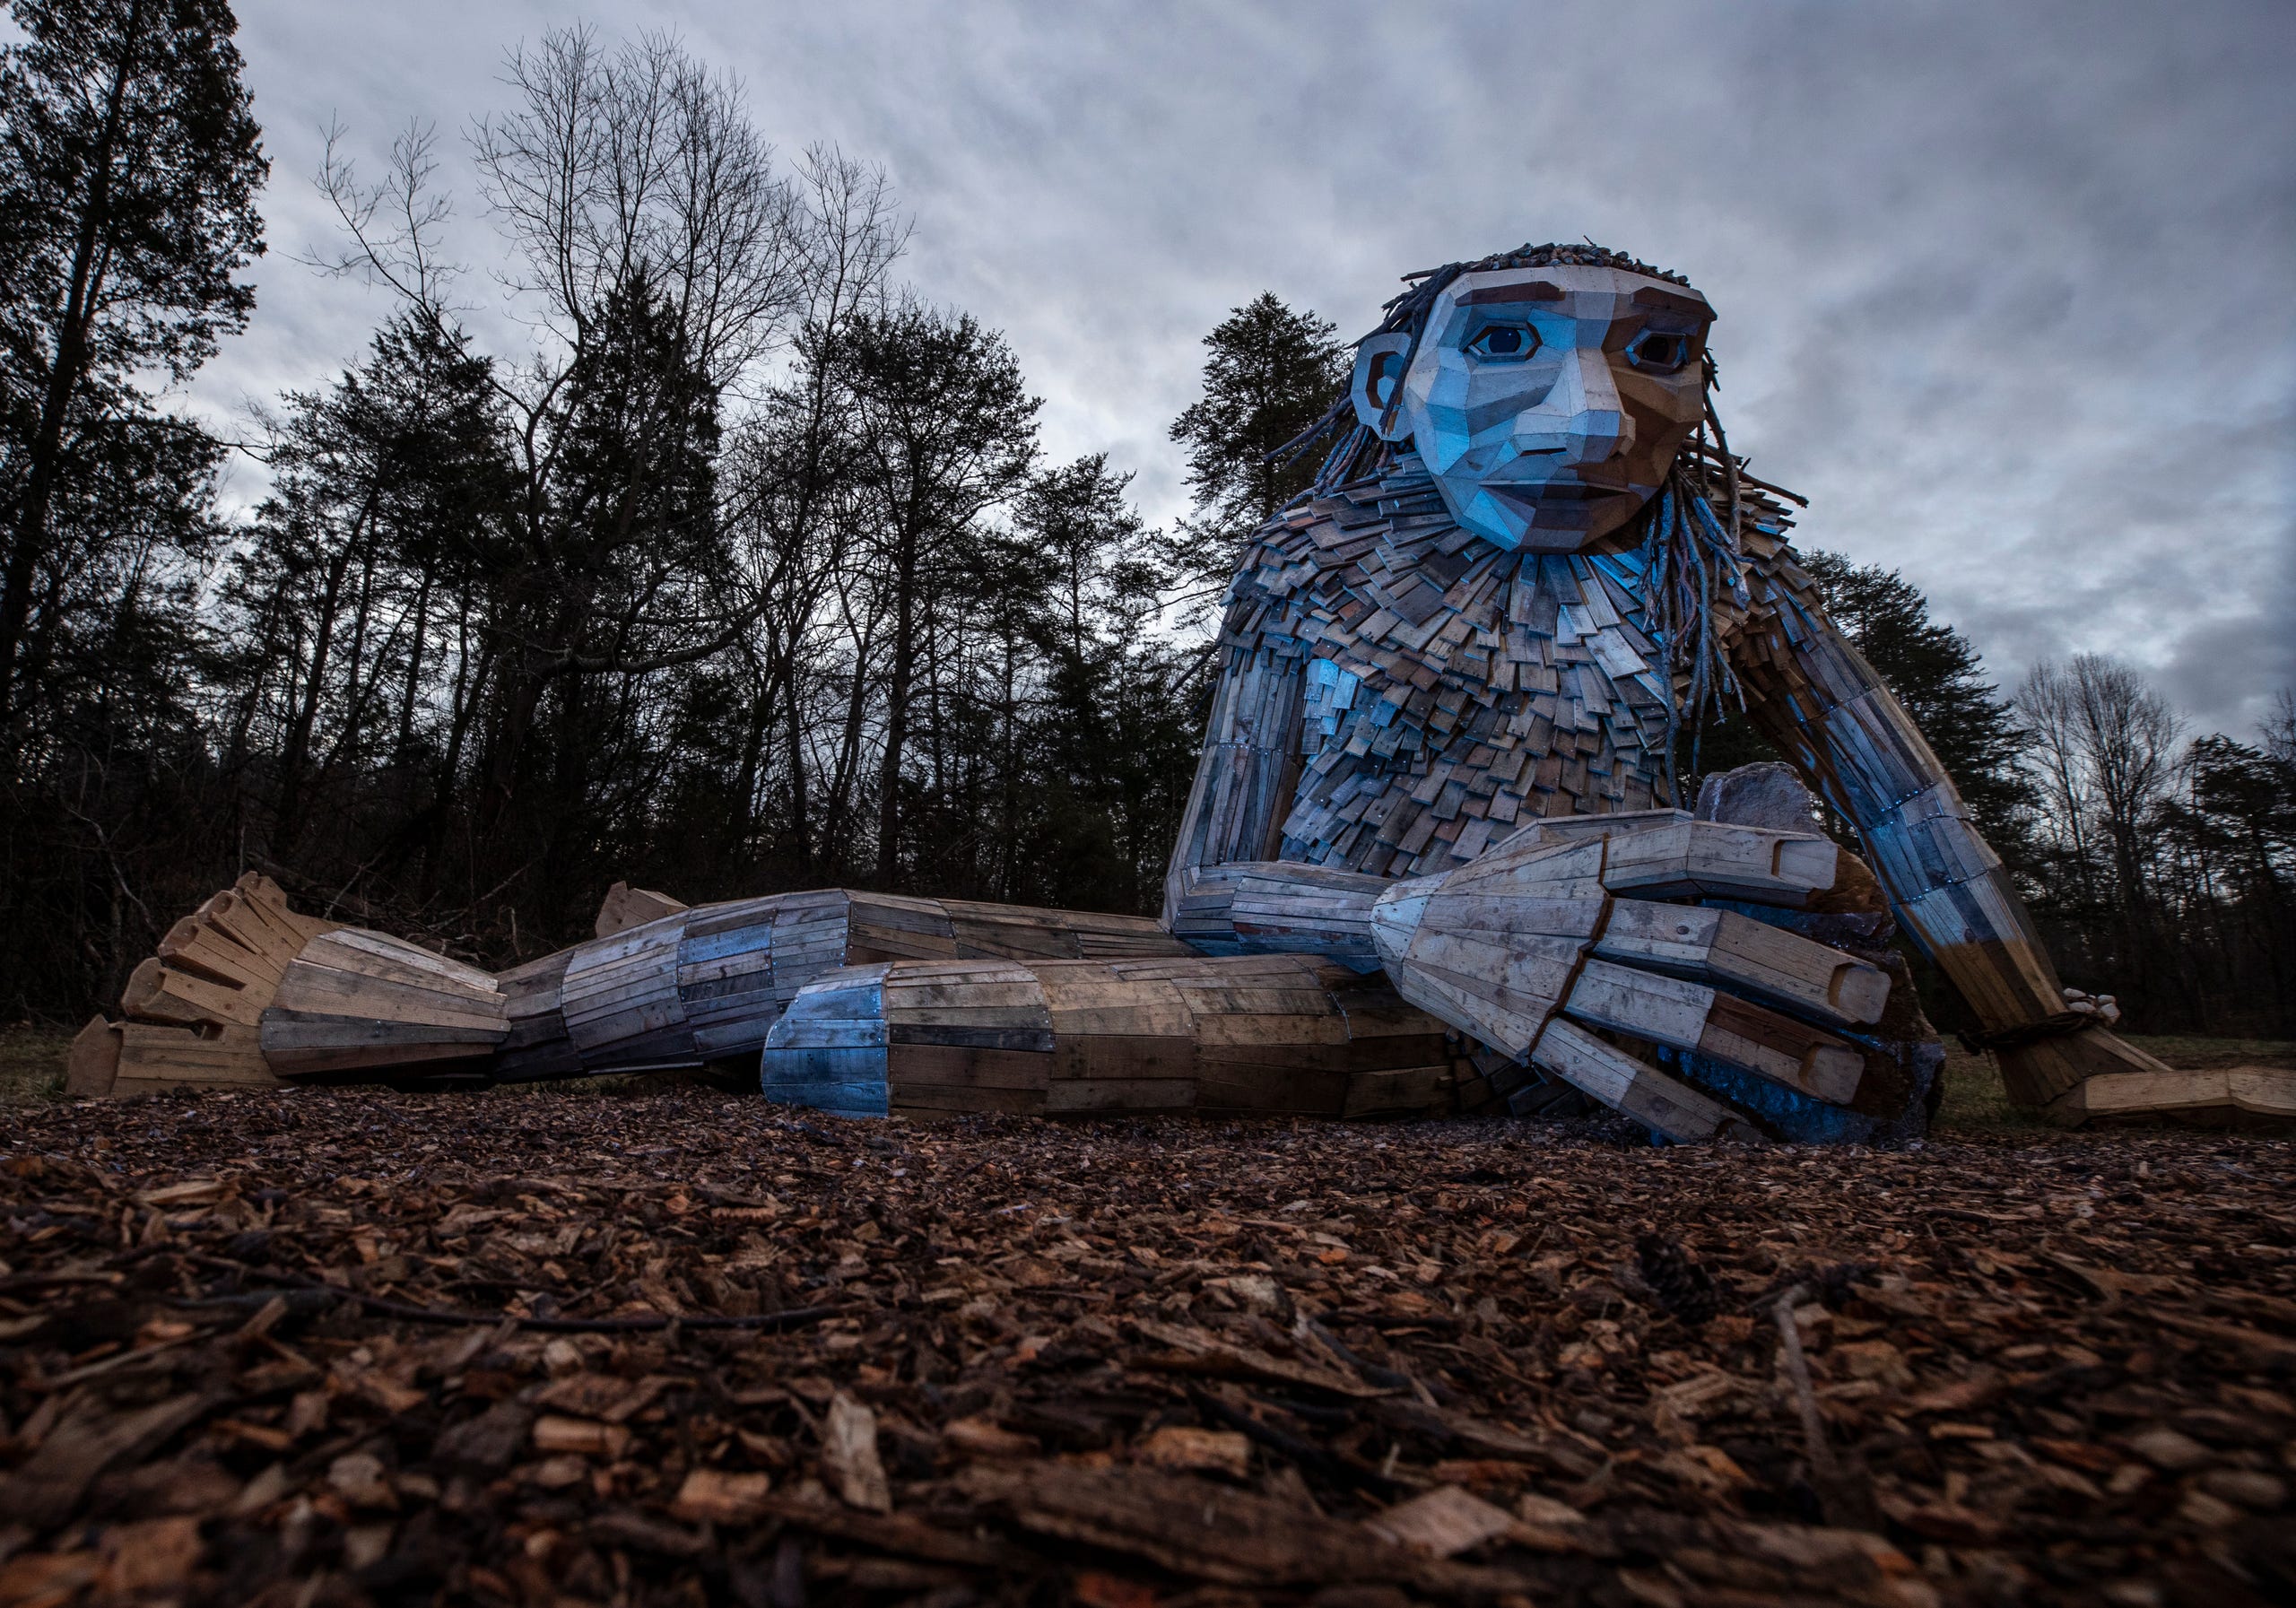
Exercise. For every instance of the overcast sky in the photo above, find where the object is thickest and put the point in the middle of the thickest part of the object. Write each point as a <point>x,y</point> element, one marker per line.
<point>2006,288</point>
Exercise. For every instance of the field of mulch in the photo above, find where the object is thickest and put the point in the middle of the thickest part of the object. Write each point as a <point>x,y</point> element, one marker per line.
<point>322,1347</point>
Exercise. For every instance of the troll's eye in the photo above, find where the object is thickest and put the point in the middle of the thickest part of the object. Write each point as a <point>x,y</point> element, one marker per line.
<point>1504,342</point>
<point>1660,350</point>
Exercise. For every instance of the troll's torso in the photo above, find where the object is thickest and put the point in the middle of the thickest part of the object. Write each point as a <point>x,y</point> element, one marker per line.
<point>1398,692</point>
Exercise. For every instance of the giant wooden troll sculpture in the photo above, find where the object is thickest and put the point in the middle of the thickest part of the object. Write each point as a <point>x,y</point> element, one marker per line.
<point>1432,859</point>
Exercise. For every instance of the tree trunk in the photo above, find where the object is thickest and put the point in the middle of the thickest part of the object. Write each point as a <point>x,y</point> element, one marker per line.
<point>897,695</point>
<point>65,374</point>
<point>287,823</point>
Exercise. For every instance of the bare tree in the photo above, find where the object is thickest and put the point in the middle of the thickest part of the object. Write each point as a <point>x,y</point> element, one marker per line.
<point>2104,745</point>
<point>792,461</point>
<point>2280,726</point>
<point>661,260</point>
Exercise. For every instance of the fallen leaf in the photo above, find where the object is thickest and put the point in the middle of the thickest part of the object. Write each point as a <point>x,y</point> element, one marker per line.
<point>721,1498</point>
<point>985,1437</point>
<point>1215,1451</point>
<point>849,1455</point>
<point>1443,1523</point>
<point>579,1437</point>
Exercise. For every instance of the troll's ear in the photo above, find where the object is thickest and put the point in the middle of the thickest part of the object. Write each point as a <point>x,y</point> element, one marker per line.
<point>1379,376</point>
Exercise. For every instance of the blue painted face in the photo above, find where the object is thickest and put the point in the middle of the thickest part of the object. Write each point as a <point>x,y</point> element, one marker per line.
<point>1546,402</point>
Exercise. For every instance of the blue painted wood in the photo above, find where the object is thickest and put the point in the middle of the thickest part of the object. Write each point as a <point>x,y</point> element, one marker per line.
<point>835,1034</point>
<point>828,1051</point>
<point>714,946</point>
<point>836,1099</point>
<point>731,1039</point>
<point>850,1082</point>
<point>1023,1038</point>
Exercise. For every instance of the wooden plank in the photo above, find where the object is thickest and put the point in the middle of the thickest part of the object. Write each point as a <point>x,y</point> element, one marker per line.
<point>1150,1018</point>
<point>911,1067</point>
<point>1215,1029</point>
<point>726,990</point>
<point>830,1033</point>
<point>1512,1032</point>
<point>1783,1050</point>
<point>157,993</point>
<point>336,952</point>
<point>886,943</point>
<point>1228,970</point>
<point>93,1063</point>
<point>606,1041</point>
<point>1528,914</point>
<point>974,935</point>
<point>942,1099</point>
<point>849,1082</point>
<point>153,1057</point>
<point>895,912</point>
<point>261,901</point>
<point>1692,1016</point>
<point>1696,858</point>
<point>239,919</point>
<point>960,1036</point>
<point>955,1022</point>
<point>742,953</point>
<point>1386,1014</point>
<point>1084,985</point>
<point>1121,1094</point>
<point>1299,1091</point>
<point>374,1058</point>
<point>1401,1092</point>
<point>704,922</point>
<point>723,1040</point>
<point>1243,998</point>
<point>1648,1004</point>
<point>450,972</point>
<point>318,990</point>
<point>277,912</point>
<point>1360,1054</point>
<point>1779,963</point>
<point>1724,947</point>
<point>192,945</point>
<point>621,999</point>
<point>626,907</point>
<point>290,1032</point>
<point>1606,1073</point>
<point>1123,1056</point>
<point>1523,965</point>
<point>1098,946</point>
<point>2262,1091</point>
<point>909,990</point>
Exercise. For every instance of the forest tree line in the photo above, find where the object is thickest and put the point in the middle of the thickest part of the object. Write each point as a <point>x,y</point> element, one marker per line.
<point>747,571</point>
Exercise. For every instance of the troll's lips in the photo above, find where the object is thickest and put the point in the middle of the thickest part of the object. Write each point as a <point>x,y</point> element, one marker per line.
<point>1533,496</point>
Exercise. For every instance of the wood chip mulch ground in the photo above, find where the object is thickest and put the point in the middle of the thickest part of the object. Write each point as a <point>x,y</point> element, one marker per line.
<point>680,1347</point>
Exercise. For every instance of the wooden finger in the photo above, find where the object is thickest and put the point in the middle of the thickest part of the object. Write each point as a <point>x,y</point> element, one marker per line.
<point>1627,1084</point>
<point>1724,947</point>
<point>1693,1016</point>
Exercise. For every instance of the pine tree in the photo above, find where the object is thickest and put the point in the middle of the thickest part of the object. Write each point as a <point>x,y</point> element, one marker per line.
<point>1935,673</point>
<point>128,181</point>
<point>389,491</point>
<point>1938,676</point>
<point>948,431</point>
<point>1109,748</point>
<point>1270,374</point>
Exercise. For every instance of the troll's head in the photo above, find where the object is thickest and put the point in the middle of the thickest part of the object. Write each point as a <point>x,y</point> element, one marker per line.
<point>1547,389</point>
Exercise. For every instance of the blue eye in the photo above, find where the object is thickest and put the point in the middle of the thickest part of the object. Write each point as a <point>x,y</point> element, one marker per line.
<point>1504,342</point>
<point>1661,351</point>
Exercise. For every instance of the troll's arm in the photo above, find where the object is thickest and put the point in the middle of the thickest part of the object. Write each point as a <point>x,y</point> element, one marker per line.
<point>1824,707</point>
<point>1226,893</point>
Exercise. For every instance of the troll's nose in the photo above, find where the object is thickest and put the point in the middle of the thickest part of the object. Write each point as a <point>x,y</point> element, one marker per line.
<point>1582,415</point>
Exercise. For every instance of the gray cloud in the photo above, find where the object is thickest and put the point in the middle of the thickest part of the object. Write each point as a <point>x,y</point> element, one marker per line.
<point>2004,289</point>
